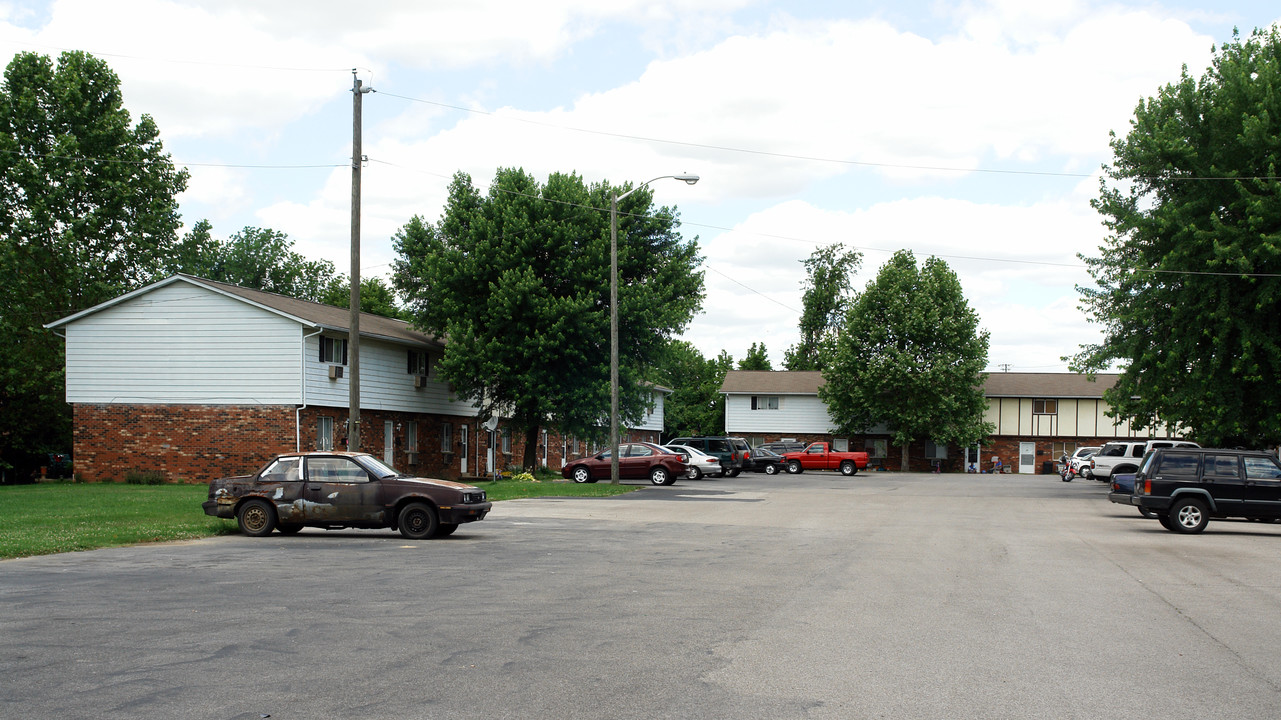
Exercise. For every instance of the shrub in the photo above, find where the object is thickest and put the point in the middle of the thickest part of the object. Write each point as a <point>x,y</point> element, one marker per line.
<point>144,477</point>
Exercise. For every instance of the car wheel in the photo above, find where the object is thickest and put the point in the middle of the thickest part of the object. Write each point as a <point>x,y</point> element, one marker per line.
<point>418,521</point>
<point>1165,522</point>
<point>660,476</point>
<point>695,473</point>
<point>794,467</point>
<point>1146,513</point>
<point>1189,515</point>
<point>446,529</point>
<point>581,474</point>
<point>289,528</point>
<point>256,518</point>
<point>735,472</point>
<point>771,469</point>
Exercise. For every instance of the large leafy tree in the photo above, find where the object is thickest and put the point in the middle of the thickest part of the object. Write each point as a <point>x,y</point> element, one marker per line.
<point>87,211</point>
<point>696,405</point>
<point>828,293</point>
<point>517,279</point>
<point>257,258</point>
<point>1187,285</point>
<point>757,358</point>
<point>910,355</point>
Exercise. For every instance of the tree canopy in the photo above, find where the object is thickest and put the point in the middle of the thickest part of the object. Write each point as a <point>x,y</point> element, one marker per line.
<point>518,281</point>
<point>828,292</point>
<point>1187,284</point>
<point>910,355</point>
<point>696,405</point>
<point>257,258</point>
<point>757,358</point>
<point>87,212</point>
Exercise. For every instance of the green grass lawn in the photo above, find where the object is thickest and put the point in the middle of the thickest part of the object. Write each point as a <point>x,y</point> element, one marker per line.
<point>63,517</point>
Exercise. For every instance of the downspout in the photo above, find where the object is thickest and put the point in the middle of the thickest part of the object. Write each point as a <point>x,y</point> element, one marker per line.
<point>302,371</point>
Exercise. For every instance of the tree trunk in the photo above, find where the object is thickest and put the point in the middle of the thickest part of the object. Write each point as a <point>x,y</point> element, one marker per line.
<point>530,459</point>
<point>903,464</point>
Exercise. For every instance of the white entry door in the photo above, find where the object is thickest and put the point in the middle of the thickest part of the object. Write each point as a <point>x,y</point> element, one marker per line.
<point>489,452</point>
<point>462,447</point>
<point>1027,458</point>
<point>389,440</point>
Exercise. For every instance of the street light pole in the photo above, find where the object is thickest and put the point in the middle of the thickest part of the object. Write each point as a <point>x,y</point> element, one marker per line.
<point>613,317</point>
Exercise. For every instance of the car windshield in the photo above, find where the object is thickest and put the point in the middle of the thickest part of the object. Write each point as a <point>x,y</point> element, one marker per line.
<point>378,467</point>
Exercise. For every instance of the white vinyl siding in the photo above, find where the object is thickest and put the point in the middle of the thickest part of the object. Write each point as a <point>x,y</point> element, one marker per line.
<point>181,344</point>
<point>653,418</point>
<point>799,414</point>
<point>384,384</point>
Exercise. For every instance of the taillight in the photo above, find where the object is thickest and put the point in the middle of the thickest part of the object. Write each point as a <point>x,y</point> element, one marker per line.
<point>1147,487</point>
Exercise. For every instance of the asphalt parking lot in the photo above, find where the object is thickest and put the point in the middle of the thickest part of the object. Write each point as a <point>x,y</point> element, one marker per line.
<point>811,596</point>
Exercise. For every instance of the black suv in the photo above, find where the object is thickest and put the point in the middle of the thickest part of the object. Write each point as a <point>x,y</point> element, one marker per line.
<point>734,453</point>
<point>1185,487</point>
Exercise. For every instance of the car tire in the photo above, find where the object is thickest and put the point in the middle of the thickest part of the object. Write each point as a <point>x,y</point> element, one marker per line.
<point>660,476</point>
<point>1189,515</point>
<point>794,467</point>
<point>446,529</point>
<point>695,473</point>
<point>849,468</point>
<point>735,472</point>
<point>771,469</point>
<point>289,528</point>
<point>581,474</point>
<point>256,518</point>
<point>1165,522</point>
<point>418,521</point>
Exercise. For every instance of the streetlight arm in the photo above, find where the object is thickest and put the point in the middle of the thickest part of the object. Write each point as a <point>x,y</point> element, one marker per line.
<point>688,179</point>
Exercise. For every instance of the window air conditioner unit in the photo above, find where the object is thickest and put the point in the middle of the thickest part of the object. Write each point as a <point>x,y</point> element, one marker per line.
<point>420,381</point>
<point>335,372</point>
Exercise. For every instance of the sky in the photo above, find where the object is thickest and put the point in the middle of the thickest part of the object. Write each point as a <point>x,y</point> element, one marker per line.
<point>971,131</point>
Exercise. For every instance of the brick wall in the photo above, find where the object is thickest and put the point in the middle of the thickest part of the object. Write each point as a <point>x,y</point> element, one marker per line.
<point>194,443</point>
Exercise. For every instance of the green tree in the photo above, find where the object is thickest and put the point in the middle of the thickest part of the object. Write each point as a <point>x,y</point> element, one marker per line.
<point>87,211</point>
<point>376,296</point>
<point>828,292</point>
<point>1187,284</point>
<point>256,258</point>
<point>757,358</point>
<point>696,406</point>
<point>518,280</point>
<point>910,355</point>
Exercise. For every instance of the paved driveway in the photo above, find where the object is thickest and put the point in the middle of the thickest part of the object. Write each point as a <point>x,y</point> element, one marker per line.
<point>811,596</point>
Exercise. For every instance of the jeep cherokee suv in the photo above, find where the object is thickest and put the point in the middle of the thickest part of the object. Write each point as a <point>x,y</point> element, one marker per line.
<point>1185,487</point>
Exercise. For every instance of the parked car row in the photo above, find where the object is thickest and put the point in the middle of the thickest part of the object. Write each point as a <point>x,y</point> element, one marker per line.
<point>1185,486</point>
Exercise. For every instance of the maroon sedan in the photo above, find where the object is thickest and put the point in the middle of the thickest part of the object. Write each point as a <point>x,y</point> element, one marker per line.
<point>636,461</point>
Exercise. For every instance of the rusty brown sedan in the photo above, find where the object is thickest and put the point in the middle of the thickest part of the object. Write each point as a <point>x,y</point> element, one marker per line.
<point>343,490</point>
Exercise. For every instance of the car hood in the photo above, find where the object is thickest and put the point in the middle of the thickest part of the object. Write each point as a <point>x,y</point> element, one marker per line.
<point>437,483</point>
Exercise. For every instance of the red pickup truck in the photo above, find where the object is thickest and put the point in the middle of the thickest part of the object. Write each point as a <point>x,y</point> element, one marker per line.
<point>818,456</point>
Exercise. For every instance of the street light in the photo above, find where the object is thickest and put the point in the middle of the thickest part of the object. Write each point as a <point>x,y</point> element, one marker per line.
<point>613,317</point>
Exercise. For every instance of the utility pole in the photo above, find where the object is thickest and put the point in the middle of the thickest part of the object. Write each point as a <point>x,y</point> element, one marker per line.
<point>353,336</point>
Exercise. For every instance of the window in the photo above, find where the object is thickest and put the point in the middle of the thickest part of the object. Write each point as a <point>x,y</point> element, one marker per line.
<point>841,444</point>
<point>876,448</point>
<point>335,469</point>
<point>935,452</point>
<point>282,470</point>
<point>1059,449</point>
<point>417,363</point>
<point>507,440</point>
<point>764,402</point>
<point>325,433</point>
<point>446,438</point>
<point>1261,468</point>
<point>1178,464</point>
<point>1045,407</point>
<point>1225,466</point>
<point>411,436</point>
<point>333,350</point>
<point>636,451</point>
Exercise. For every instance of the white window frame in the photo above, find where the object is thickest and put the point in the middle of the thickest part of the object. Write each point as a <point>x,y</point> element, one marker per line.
<point>447,438</point>
<point>333,350</point>
<point>325,433</point>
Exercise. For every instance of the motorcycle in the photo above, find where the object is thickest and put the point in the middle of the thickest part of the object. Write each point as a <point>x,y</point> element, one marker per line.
<point>1066,471</point>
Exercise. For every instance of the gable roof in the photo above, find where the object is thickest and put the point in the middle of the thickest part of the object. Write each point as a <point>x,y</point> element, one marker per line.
<point>1048,385</point>
<point>773,382</point>
<point>1041,385</point>
<point>304,312</point>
